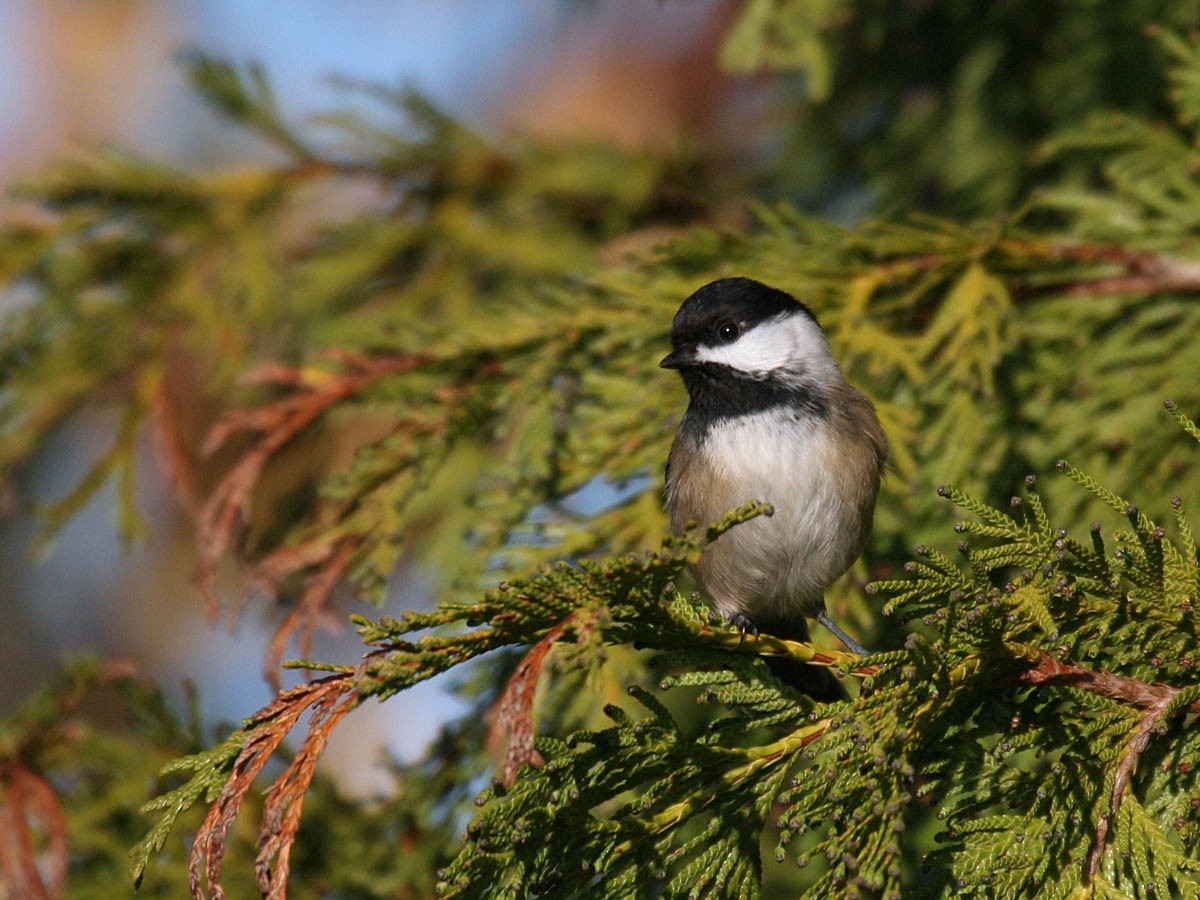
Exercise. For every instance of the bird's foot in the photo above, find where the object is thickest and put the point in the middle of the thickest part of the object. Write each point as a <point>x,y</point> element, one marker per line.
<point>745,624</point>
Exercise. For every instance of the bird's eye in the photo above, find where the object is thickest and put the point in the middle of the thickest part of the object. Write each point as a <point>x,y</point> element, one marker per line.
<point>728,333</point>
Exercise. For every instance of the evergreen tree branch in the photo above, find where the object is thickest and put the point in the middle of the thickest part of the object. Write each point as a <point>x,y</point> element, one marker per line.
<point>31,867</point>
<point>225,510</point>
<point>1056,598</point>
<point>1049,671</point>
<point>637,603</point>
<point>496,264</point>
<point>1155,700</point>
<point>48,748</point>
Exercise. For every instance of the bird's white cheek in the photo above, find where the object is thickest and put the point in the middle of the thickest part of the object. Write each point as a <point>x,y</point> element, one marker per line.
<point>754,351</point>
<point>782,344</point>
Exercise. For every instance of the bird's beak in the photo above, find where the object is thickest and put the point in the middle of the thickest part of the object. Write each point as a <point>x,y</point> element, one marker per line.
<point>679,358</point>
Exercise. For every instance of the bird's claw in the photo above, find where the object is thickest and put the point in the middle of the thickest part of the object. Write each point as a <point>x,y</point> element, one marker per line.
<point>744,624</point>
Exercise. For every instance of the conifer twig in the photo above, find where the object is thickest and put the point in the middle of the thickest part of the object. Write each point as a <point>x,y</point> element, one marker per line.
<point>513,712</point>
<point>225,510</point>
<point>1154,698</point>
<point>30,804</point>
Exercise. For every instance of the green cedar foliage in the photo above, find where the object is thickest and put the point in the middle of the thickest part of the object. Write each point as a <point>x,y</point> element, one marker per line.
<point>78,758</point>
<point>445,369</point>
<point>946,106</point>
<point>1004,714</point>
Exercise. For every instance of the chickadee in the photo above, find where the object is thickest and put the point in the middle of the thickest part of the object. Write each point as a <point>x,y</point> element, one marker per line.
<point>771,417</point>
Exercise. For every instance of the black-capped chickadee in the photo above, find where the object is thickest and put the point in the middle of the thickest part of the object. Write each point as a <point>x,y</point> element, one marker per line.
<point>771,418</point>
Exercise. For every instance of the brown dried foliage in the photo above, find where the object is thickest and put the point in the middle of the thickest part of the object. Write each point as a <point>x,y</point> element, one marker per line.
<point>512,715</point>
<point>328,699</point>
<point>29,808</point>
<point>222,516</point>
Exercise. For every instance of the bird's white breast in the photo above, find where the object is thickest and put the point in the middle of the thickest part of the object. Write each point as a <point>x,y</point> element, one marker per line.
<point>792,462</point>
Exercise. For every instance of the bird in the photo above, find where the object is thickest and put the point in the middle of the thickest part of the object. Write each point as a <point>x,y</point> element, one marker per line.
<point>771,417</point>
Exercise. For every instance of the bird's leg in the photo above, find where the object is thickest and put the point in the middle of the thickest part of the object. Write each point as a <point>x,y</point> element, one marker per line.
<point>855,646</point>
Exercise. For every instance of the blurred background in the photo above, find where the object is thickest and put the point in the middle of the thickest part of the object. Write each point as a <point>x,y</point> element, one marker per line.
<point>1019,286</point>
<point>103,71</point>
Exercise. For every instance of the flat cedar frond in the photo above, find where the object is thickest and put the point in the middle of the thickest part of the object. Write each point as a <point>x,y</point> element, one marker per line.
<point>456,368</point>
<point>628,599</point>
<point>991,716</point>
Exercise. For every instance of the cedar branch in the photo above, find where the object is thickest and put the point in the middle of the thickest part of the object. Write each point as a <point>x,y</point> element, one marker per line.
<point>308,611</point>
<point>330,698</point>
<point>28,804</point>
<point>1153,698</point>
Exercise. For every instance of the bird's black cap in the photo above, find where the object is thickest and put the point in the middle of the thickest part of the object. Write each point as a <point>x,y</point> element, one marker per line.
<point>743,301</point>
<point>718,391</point>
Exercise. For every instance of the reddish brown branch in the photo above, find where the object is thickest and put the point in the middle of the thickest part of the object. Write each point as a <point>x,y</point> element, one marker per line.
<point>33,836</point>
<point>1139,272</point>
<point>1152,698</point>
<point>1159,283</point>
<point>225,511</point>
<point>1143,273</point>
<point>1048,670</point>
<point>330,699</point>
<point>1131,260</point>
<point>309,611</point>
<point>513,712</point>
<point>1137,745</point>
